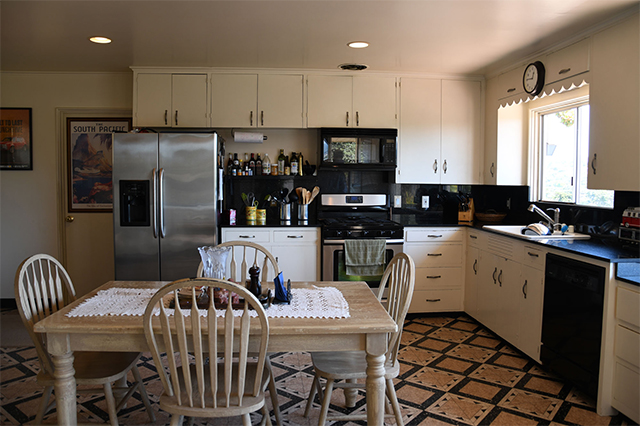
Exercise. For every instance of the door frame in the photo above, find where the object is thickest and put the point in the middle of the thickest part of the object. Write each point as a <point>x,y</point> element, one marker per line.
<point>62,191</point>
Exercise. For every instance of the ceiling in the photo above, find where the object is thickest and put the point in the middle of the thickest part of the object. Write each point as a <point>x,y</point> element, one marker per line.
<point>433,36</point>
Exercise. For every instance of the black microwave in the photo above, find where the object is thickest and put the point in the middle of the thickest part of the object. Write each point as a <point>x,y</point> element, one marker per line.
<point>358,148</point>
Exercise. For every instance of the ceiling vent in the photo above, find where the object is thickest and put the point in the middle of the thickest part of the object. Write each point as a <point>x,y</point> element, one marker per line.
<point>353,67</point>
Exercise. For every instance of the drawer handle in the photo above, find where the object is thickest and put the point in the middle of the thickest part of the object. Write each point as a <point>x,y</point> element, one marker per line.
<point>473,237</point>
<point>434,254</point>
<point>533,254</point>
<point>434,277</point>
<point>246,236</point>
<point>434,236</point>
<point>513,89</point>
<point>294,236</point>
<point>433,300</point>
<point>564,70</point>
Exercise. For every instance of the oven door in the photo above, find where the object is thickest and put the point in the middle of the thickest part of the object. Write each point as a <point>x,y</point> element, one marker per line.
<point>333,267</point>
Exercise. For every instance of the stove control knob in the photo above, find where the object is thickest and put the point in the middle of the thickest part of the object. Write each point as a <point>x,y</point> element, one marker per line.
<point>365,233</point>
<point>348,233</point>
<point>339,233</point>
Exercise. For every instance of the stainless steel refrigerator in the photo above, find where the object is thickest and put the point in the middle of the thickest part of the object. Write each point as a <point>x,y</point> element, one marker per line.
<point>165,203</point>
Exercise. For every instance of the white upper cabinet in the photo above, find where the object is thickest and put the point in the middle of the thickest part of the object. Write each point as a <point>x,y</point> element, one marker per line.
<point>567,62</point>
<point>234,100</point>
<point>462,148</point>
<point>346,101</point>
<point>614,140</point>
<point>256,100</point>
<point>440,124</point>
<point>170,100</point>
<point>280,100</point>
<point>419,134</point>
<point>374,102</point>
<point>510,83</point>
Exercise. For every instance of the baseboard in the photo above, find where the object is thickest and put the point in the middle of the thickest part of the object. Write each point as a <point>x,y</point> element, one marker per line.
<point>8,304</point>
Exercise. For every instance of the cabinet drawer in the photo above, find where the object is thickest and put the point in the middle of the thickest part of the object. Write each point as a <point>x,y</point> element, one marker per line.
<point>475,238</point>
<point>628,306</point>
<point>247,234</point>
<point>510,83</point>
<point>429,235</point>
<point>626,391</point>
<point>431,278</point>
<point>436,301</point>
<point>628,345</point>
<point>435,255</point>
<point>533,257</point>
<point>300,235</point>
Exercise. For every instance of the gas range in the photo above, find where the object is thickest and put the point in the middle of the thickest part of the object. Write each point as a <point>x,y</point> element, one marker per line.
<point>351,216</point>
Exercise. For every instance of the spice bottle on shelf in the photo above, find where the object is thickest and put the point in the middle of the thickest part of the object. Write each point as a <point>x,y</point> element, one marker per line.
<point>236,165</point>
<point>258,166</point>
<point>287,166</point>
<point>266,165</point>
<point>252,165</point>
<point>294,164</point>
<point>300,163</point>
<point>281,161</point>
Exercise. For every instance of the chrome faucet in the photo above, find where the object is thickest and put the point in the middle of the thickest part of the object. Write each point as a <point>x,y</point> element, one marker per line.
<point>553,224</point>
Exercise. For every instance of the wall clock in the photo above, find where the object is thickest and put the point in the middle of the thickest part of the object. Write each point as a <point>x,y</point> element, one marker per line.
<point>533,78</point>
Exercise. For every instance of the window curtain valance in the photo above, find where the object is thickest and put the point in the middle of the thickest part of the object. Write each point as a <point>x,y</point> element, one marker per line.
<point>564,85</point>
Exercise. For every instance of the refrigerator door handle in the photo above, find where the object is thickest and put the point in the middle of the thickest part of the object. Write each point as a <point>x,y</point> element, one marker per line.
<point>161,202</point>
<point>154,204</point>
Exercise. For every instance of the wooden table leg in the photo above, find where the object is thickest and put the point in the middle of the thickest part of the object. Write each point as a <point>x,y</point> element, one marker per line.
<point>65,381</point>
<point>376,347</point>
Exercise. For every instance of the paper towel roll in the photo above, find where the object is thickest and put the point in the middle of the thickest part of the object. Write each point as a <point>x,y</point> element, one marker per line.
<point>248,137</point>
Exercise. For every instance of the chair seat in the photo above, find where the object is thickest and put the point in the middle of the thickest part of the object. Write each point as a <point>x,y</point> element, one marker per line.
<point>96,368</point>
<point>347,365</point>
<point>249,403</point>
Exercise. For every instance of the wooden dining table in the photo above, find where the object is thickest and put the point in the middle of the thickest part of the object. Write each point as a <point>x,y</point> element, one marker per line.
<point>365,329</point>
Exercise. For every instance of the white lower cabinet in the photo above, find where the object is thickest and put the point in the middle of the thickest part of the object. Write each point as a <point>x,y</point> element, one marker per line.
<point>506,292</point>
<point>438,254</point>
<point>295,249</point>
<point>626,376</point>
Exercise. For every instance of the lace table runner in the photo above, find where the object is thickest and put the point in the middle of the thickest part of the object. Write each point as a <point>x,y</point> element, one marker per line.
<point>316,302</point>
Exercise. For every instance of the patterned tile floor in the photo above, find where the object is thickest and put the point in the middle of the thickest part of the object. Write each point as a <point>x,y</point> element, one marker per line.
<point>454,371</point>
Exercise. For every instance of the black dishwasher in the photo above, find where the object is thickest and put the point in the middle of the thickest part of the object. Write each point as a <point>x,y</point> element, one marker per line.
<point>572,321</point>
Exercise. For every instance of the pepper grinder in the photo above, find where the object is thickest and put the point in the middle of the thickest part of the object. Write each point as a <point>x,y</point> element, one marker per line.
<point>254,287</point>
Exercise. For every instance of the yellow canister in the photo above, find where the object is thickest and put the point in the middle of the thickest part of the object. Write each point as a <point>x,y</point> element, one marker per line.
<point>251,214</point>
<point>261,216</point>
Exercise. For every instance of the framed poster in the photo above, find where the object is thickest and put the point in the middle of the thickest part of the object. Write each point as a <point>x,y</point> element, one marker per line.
<point>89,166</point>
<point>15,139</point>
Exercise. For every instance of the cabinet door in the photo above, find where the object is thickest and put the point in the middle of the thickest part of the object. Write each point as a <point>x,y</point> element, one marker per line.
<point>234,99</point>
<point>509,297</point>
<point>472,272</point>
<point>461,143</point>
<point>510,83</point>
<point>419,135</point>
<point>374,102</point>
<point>487,299</point>
<point>153,100</point>
<point>329,101</point>
<point>189,100</point>
<point>614,139</point>
<point>280,101</point>
<point>530,312</point>
<point>297,262</point>
<point>567,62</point>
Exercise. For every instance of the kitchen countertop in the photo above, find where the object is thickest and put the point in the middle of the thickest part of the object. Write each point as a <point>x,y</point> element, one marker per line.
<point>607,249</point>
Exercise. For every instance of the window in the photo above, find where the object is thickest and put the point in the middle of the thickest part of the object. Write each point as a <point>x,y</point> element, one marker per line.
<point>563,145</point>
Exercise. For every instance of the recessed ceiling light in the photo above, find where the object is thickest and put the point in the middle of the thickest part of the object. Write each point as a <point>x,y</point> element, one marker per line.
<point>358,44</point>
<point>100,40</point>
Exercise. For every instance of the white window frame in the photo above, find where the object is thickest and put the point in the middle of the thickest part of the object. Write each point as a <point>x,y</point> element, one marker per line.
<point>536,149</point>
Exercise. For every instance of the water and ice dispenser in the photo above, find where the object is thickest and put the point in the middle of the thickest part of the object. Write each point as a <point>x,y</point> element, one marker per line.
<point>135,203</point>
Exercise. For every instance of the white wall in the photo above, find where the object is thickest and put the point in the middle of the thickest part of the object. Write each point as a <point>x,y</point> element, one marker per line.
<point>28,199</point>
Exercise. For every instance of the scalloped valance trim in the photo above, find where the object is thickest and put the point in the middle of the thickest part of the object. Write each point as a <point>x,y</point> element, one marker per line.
<point>565,85</point>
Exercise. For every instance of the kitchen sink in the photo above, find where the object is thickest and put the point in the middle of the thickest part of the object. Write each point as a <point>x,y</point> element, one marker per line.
<point>516,231</point>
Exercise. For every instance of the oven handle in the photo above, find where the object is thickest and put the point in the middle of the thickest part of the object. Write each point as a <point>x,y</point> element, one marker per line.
<point>338,242</point>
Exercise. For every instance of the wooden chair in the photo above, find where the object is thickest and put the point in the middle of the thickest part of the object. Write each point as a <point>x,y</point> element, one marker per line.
<point>234,380</point>
<point>42,287</point>
<point>352,366</point>
<point>243,255</point>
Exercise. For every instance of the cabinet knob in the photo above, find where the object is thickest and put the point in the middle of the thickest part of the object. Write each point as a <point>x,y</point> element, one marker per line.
<point>69,219</point>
